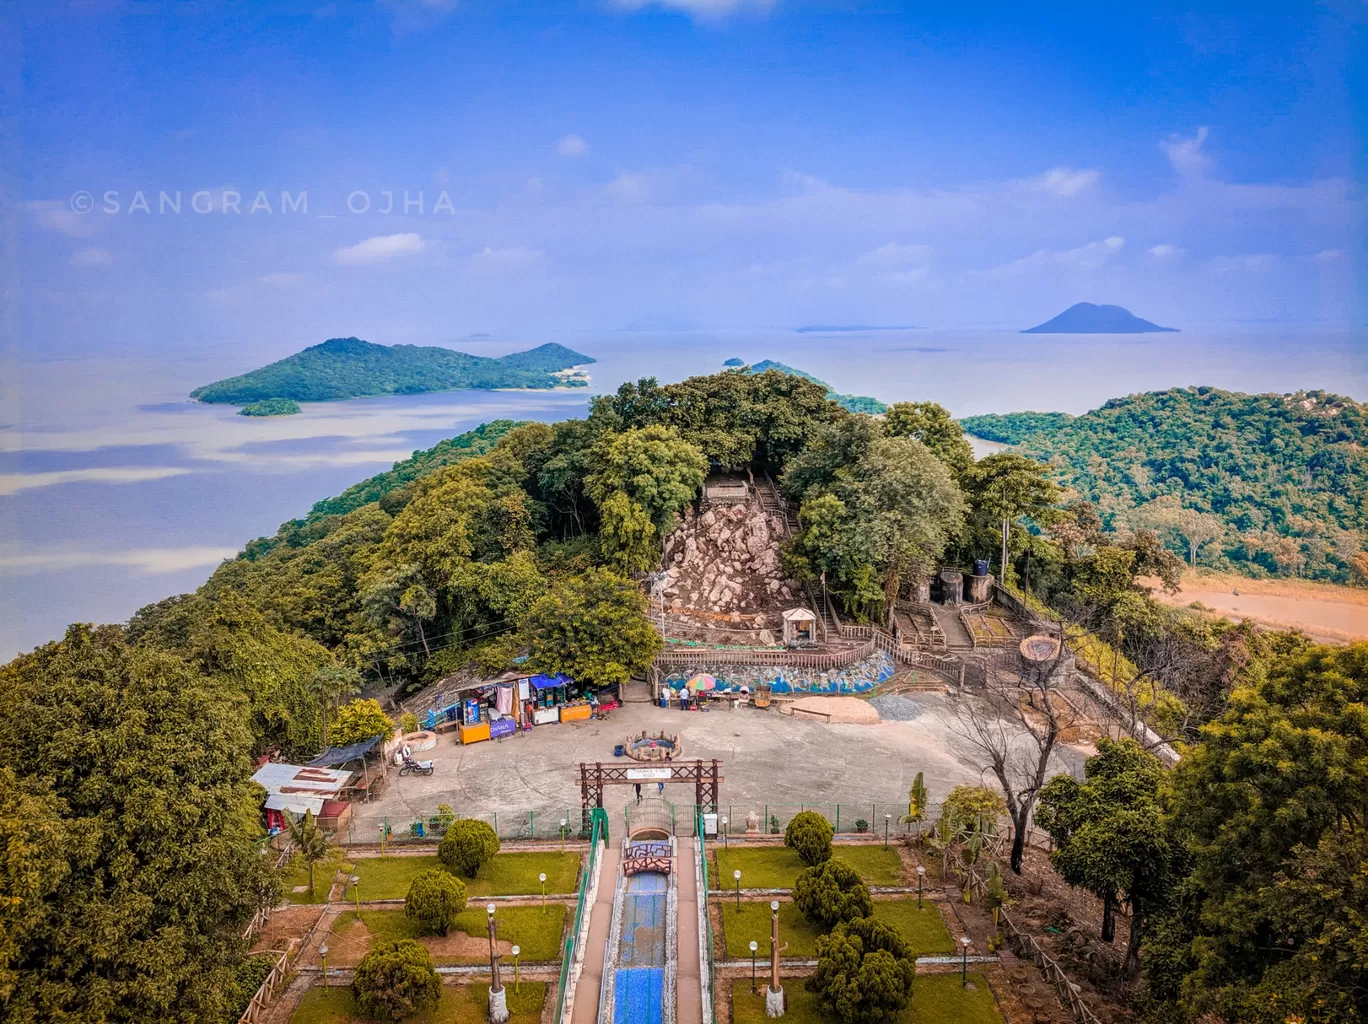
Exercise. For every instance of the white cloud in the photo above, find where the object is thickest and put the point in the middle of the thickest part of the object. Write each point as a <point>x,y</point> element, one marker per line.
<point>1186,155</point>
<point>629,188</point>
<point>1165,251</point>
<point>144,560</point>
<point>1084,257</point>
<point>1066,181</point>
<point>380,249</point>
<point>414,15</point>
<point>91,257</point>
<point>572,145</point>
<point>701,9</point>
<point>1330,255</point>
<point>1255,263</point>
<point>512,257</point>
<point>57,215</point>
<point>893,254</point>
<point>13,483</point>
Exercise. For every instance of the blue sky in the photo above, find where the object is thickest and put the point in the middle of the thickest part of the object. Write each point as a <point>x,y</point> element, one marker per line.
<point>687,164</point>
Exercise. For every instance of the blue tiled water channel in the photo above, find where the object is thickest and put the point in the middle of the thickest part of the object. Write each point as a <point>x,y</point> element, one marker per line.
<point>639,981</point>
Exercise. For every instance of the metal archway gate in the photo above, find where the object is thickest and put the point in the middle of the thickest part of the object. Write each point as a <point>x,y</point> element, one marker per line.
<point>706,777</point>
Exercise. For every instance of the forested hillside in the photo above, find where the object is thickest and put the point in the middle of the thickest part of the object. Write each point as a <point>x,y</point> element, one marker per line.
<point>1264,484</point>
<point>850,403</point>
<point>352,368</point>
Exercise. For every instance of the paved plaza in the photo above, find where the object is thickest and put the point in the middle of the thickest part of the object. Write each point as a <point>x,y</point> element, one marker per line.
<point>768,759</point>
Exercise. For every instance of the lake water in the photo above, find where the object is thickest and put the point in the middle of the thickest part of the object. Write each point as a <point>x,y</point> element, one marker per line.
<point>115,491</point>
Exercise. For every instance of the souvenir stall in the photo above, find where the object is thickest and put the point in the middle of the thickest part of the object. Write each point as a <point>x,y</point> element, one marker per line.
<point>487,710</point>
<point>559,698</point>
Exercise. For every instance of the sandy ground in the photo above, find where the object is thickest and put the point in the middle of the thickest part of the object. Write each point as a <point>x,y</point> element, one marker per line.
<point>1324,610</point>
<point>849,710</point>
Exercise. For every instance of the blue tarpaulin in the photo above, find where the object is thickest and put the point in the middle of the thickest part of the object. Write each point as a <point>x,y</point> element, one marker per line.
<point>334,756</point>
<point>547,682</point>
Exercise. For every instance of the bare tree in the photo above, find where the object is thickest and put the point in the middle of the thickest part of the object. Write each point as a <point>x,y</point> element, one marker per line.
<point>1012,729</point>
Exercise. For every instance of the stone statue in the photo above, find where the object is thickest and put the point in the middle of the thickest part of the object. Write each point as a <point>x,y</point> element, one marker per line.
<point>752,823</point>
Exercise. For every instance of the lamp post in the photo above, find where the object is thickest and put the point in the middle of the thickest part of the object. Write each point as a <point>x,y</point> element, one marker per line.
<point>774,994</point>
<point>887,819</point>
<point>753,947</point>
<point>517,984</point>
<point>564,822</point>
<point>383,833</point>
<point>724,832</point>
<point>542,878</point>
<point>498,997</point>
<point>355,881</point>
<point>736,875</point>
<point>964,960</point>
<point>323,954</point>
<point>921,874</point>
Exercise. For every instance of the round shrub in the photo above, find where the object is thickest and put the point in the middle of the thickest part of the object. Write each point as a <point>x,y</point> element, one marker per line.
<point>830,893</point>
<point>810,835</point>
<point>969,808</point>
<point>435,899</point>
<point>396,980</point>
<point>468,843</point>
<point>864,972</point>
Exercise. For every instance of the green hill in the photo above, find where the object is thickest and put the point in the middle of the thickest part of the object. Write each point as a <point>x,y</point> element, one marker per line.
<point>1276,484</point>
<point>851,403</point>
<point>351,368</point>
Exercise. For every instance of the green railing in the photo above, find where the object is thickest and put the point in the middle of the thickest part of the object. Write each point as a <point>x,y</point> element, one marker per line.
<point>599,819</point>
<point>542,823</point>
<point>705,918</point>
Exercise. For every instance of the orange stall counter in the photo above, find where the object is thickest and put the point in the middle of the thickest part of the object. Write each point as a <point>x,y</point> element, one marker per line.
<point>575,712</point>
<point>475,733</point>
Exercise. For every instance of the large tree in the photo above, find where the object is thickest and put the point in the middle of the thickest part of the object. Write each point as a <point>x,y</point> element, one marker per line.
<point>142,767</point>
<point>932,425</point>
<point>652,466</point>
<point>1283,769</point>
<point>1005,488</point>
<point>1110,836</point>
<point>592,627</point>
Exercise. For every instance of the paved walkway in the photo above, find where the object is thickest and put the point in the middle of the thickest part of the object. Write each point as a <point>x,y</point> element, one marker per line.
<point>689,983</point>
<point>956,636</point>
<point>600,920</point>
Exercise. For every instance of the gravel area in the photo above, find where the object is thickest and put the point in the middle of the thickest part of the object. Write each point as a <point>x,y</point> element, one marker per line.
<point>895,708</point>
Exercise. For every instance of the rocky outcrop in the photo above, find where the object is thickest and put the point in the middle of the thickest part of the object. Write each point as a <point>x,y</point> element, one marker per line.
<point>724,562</point>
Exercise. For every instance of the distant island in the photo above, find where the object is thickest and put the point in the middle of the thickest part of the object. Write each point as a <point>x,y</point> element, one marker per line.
<point>1087,318</point>
<point>351,368</point>
<point>850,403</point>
<point>848,328</point>
<point>734,361</point>
<point>271,407</point>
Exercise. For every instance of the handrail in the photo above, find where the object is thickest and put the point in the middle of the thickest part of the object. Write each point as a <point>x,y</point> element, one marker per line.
<point>707,972</point>
<point>1029,949</point>
<point>598,834</point>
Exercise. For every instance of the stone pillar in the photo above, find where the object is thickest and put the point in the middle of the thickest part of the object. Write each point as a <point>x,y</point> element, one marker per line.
<point>980,589</point>
<point>952,586</point>
<point>923,595</point>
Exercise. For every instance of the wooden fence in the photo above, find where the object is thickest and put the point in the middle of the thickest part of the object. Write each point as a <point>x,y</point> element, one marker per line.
<point>1026,947</point>
<point>275,981</point>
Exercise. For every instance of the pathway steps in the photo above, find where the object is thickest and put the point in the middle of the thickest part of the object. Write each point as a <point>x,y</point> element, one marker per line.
<point>600,920</point>
<point>689,983</point>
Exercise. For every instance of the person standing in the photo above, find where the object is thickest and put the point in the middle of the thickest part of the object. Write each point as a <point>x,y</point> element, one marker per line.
<point>660,788</point>
<point>637,787</point>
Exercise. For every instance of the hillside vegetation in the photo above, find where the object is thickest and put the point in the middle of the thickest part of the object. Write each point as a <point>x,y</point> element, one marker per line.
<point>850,403</point>
<point>1261,484</point>
<point>351,368</point>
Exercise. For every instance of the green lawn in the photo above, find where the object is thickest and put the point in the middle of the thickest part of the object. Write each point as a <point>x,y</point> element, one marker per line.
<point>753,922</point>
<point>924,930</point>
<point>296,874</point>
<point>508,874</point>
<point>936,999</point>
<point>460,1004</point>
<point>536,933</point>
<point>777,867</point>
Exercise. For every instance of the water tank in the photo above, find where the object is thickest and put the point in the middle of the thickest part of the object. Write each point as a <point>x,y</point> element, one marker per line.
<point>980,567</point>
